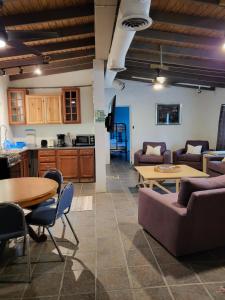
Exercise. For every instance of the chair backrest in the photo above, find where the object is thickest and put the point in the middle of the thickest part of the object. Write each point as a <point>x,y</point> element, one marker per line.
<point>12,221</point>
<point>204,144</point>
<point>56,175</point>
<point>65,200</point>
<point>155,144</point>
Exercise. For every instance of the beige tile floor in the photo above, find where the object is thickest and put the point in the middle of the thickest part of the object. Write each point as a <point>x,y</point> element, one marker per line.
<point>116,259</point>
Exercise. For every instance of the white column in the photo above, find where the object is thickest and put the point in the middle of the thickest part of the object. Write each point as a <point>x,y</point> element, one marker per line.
<point>100,136</point>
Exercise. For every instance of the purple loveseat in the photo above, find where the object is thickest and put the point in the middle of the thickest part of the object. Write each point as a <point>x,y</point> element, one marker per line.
<point>215,167</point>
<point>193,160</point>
<point>183,229</point>
<point>141,159</point>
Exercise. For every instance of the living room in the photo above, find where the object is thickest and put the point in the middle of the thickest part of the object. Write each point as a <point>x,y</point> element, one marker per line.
<point>75,224</point>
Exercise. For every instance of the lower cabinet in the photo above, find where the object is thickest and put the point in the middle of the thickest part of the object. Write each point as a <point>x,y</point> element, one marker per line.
<point>25,164</point>
<point>86,164</point>
<point>75,164</point>
<point>68,163</point>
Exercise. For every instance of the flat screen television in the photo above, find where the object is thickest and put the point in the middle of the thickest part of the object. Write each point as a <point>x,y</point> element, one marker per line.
<point>110,119</point>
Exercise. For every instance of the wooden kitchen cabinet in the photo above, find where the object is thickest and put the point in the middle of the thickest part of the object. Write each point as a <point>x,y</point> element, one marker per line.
<point>25,169</point>
<point>86,163</point>
<point>75,164</point>
<point>53,109</point>
<point>71,105</point>
<point>16,106</point>
<point>35,109</point>
<point>43,109</point>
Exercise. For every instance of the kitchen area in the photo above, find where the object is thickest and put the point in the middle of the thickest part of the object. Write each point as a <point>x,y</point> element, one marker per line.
<point>51,128</point>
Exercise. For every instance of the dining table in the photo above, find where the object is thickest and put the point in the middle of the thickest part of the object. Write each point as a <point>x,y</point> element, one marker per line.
<point>28,192</point>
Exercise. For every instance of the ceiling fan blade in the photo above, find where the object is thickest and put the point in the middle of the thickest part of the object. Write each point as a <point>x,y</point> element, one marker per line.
<point>19,45</point>
<point>30,35</point>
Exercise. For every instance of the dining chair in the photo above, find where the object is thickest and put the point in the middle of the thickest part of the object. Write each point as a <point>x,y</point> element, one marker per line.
<point>47,215</point>
<point>12,226</point>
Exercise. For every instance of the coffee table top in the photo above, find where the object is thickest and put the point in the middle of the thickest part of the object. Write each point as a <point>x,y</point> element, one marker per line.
<point>148,172</point>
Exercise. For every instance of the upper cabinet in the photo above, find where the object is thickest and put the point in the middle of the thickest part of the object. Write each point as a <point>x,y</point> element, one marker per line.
<point>43,109</point>
<point>71,105</point>
<point>16,106</point>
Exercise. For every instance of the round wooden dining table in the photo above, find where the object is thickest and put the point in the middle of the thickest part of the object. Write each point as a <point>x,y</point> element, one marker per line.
<point>27,191</point>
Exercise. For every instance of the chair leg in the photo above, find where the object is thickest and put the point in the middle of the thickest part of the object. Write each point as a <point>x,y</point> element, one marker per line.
<point>59,251</point>
<point>27,241</point>
<point>64,224</point>
<point>71,227</point>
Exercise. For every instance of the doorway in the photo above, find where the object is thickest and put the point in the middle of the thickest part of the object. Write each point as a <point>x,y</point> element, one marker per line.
<point>120,137</point>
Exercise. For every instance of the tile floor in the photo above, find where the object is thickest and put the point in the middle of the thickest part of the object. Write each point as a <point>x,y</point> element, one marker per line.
<point>115,260</point>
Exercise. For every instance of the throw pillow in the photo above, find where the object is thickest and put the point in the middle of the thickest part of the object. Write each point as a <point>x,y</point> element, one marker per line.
<point>153,150</point>
<point>194,149</point>
<point>191,185</point>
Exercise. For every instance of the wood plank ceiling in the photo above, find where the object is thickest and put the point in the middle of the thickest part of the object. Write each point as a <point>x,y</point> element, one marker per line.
<point>73,48</point>
<point>191,34</point>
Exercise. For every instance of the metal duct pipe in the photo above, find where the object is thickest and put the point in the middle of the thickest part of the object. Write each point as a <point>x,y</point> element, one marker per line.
<point>133,16</point>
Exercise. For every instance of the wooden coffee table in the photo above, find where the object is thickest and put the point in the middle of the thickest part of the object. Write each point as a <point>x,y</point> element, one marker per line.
<point>150,177</point>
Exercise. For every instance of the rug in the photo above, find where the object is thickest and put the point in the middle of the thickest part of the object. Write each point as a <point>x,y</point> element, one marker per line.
<point>170,186</point>
<point>82,203</point>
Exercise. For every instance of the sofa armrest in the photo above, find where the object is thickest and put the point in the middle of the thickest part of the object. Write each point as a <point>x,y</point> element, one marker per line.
<point>160,202</point>
<point>177,153</point>
<point>214,158</point>
<point>167,157</point>
<point>137,156</point>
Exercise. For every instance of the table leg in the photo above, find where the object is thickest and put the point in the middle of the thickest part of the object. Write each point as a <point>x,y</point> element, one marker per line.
<point>177,185</point>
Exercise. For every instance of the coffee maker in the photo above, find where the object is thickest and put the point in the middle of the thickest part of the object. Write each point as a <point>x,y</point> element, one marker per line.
<point>61,140</point>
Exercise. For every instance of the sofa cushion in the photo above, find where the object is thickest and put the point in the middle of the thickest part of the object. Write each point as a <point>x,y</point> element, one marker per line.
<point>151,159</point>
<point>217,166</point>
<point>153,150</point>
<point>194,149</point>
<point>154,144</point>
<point>191,185</point>
<point>189,157</point>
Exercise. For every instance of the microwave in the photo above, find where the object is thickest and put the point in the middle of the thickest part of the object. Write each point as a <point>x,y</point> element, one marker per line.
<point>84,140</point>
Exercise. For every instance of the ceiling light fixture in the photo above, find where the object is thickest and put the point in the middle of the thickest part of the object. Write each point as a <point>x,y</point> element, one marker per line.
<point>21,71</point>
<point>3,72</point>
<point>37,71</point>
<point>161,79</point>
<point>3,39</point>
<point>158,86</point>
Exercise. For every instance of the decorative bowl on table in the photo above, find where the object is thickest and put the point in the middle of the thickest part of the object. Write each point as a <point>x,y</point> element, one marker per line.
<point>167,168</point>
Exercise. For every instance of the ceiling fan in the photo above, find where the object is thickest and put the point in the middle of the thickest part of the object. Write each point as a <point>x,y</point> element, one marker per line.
<point>158,81</point>
<point>15,38</point>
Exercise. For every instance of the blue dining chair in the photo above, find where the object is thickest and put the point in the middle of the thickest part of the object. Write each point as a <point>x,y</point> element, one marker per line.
<point>12,226</point>
<point>47,215</point>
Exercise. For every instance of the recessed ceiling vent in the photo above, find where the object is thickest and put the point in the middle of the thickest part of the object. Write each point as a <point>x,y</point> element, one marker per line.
<point>136,23</point>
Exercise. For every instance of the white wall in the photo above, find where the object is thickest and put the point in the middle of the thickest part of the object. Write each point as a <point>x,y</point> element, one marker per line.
<point>77,78</point>
<point>3,106</point>
<point>199,114</point>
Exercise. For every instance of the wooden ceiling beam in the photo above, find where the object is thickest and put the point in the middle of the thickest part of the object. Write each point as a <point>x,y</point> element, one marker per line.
<point>180,51</point>
<point>171,79</point>
<point>181,69</point>
<point>38,60</point>
<point>215,2</point>
<point>8,52</point>
<point>153,56</point>
<point>49,15</point>
<point>147,72</point>
<point>67,31</point>
<point>187,20</point>
<point>78,67</point>
<point>159,35</point>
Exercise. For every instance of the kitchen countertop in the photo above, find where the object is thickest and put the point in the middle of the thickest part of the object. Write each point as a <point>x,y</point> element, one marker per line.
<point>18,151</point>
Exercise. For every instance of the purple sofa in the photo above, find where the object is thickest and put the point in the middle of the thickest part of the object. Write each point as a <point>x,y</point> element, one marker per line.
<point>141,159</point>
<point>193,160</point>
<point>215,167</point>
<point>184,228</point>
